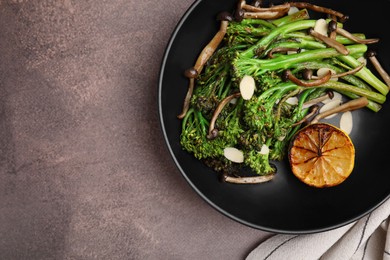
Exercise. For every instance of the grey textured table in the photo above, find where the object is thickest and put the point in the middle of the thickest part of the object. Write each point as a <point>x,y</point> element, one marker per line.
<point>84,170</point>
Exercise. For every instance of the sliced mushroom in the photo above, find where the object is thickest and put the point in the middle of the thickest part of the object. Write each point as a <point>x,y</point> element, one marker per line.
<point>329,95</point>
<point>352,37</point>
<point>287,75</point>
<point>329,106</point>
<point>348,106</point>
<point>276,8</point>
<point>213,132</point>
<point>349,72</point>
<point>281,49</point>
<point>371,55</point>
<point>187,99</point>
<point>332,26</point>
<point>336,96</point>
<point>320,9</point>
<point>323,71</point>
<point>263,15</point>
<point>329,41</point>
<point>239,13</point>
<point>225,16</point>
<point>203,57</point>
<point>248,180</point>
<point>313,110</point>
<point>211,47</point>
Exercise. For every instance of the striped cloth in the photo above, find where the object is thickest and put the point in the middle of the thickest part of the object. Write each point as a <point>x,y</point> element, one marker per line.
<point>367,238</point>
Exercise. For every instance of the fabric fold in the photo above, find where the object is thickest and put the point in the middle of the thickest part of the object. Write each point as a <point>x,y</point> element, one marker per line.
<point>367,238</point>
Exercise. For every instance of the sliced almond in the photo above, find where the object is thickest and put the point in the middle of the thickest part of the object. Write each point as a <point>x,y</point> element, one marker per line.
<point>336,96</point>
<point>264,149</point>
<point>292,10</point>
<point>346,122</point>
<point>233,154</point>
<point>330,105</point>
<point>321,26</point>
<point>292,101</point>
<point>323,71</point>
<point>247,87</point>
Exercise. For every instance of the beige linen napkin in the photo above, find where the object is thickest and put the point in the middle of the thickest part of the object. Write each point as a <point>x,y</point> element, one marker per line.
<point>367,238</point>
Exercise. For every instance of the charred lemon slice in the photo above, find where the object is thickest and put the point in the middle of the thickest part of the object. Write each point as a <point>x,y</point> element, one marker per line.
<point>321,155</point>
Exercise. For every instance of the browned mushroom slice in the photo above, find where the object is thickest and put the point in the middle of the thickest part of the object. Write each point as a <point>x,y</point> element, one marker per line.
<point>352,37</point>
<point>248,180</point>
<point>281,49</point>
<point>287,75</point>
<point>329,41</point>
<point>203,57</point>
<point>319,9</point>
<point>263,15</point>
<point>329,95</point>
<point>187,99</point>
<point>349,72</point>
<point>213,132</point>
<point>312,111</point>
<point>371,55</point>
<point>348,106</point>
<point>210,48</point>
<point>276,8</point>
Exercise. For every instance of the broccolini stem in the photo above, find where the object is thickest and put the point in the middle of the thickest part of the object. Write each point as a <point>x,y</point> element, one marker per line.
<point>287,86</point>
<point>371,104</point>
<point>366,74</point>
<point>186,118</point>
<point>262,22</point>
<point>315,65</point>
<point>349,78</point>
<point>303,97</point>
<point>203,123</point>
<point>340,39</point>
<point>298,16</point>
<point>290,27</point>
<point>339,86</point>
<point>301,43</point>
<point>287,61</point>
<point>279,109</point>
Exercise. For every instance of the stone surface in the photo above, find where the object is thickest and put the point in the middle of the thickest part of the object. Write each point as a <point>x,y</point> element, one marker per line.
<point>84,170</point>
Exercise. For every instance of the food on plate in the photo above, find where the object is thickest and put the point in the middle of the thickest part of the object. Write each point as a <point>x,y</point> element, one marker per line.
<point>321,155</point>
<point>268,72</point>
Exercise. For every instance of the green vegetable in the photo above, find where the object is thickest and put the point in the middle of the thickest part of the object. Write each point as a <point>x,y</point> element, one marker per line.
<point>268,120</point>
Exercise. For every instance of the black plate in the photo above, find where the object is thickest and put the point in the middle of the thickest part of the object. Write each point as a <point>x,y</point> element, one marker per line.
<point>284,205</point>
